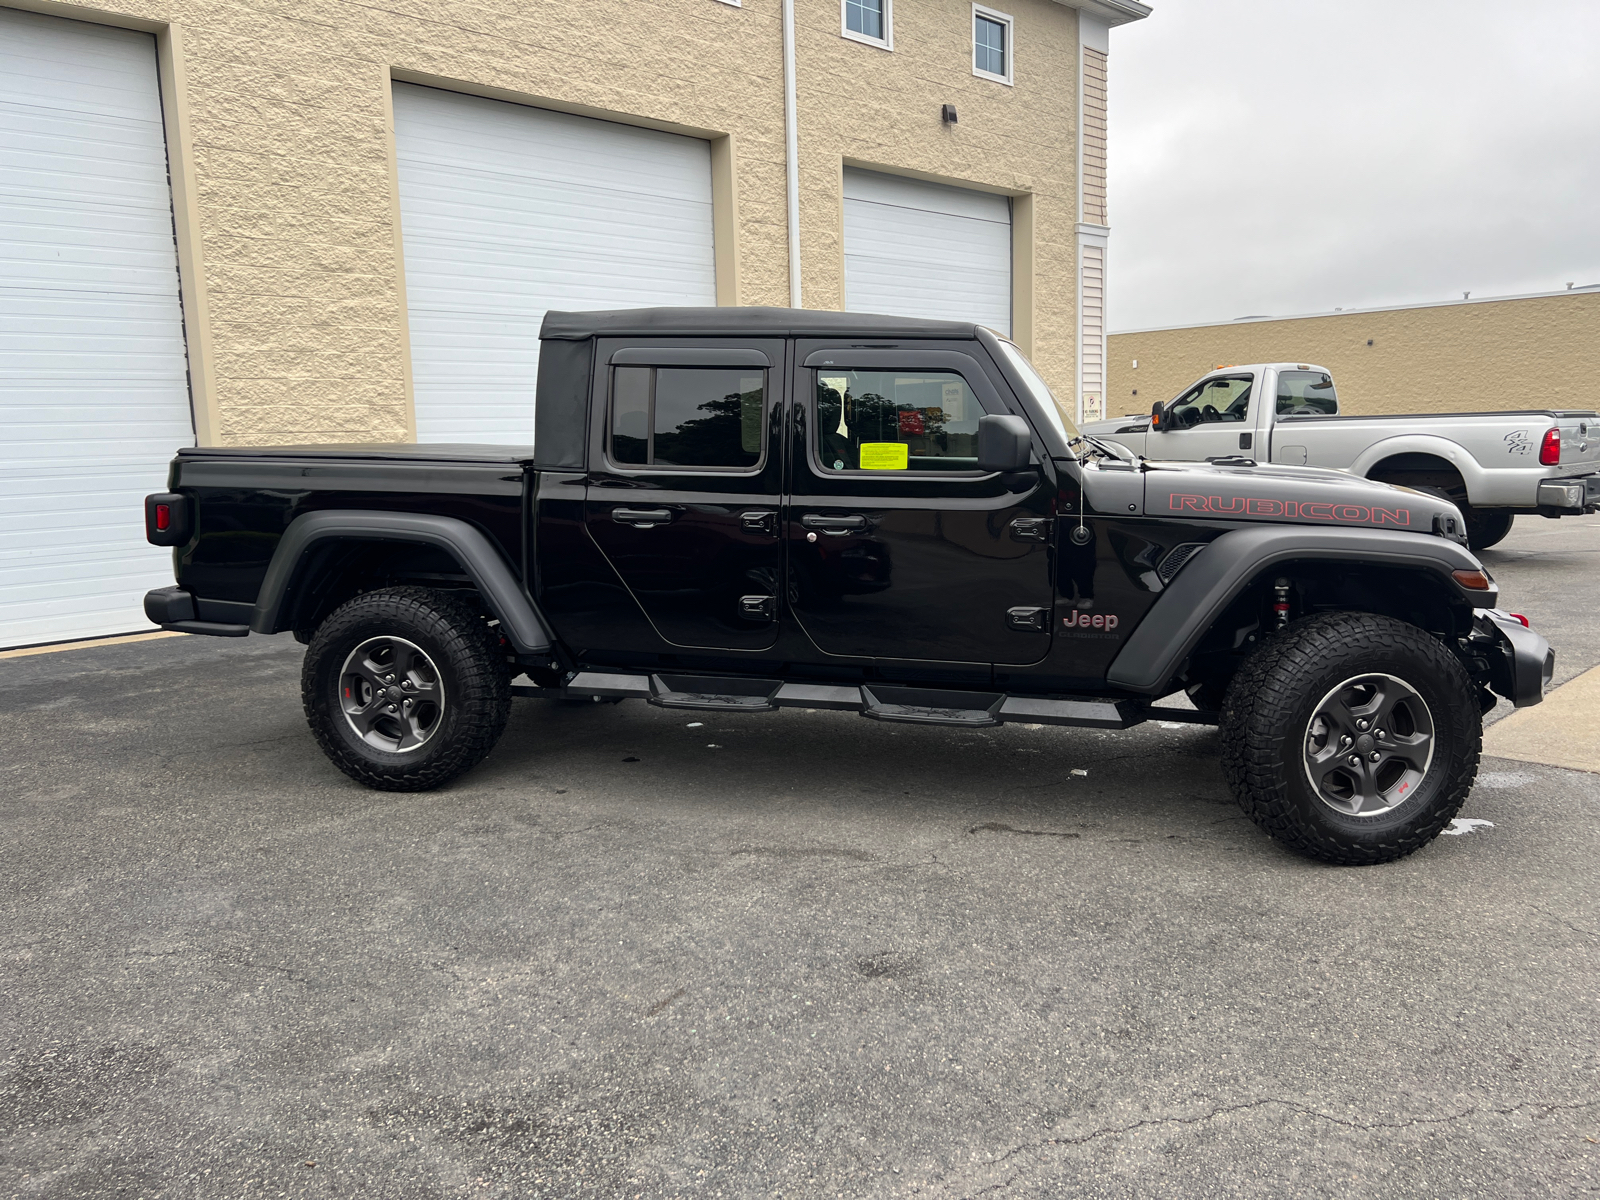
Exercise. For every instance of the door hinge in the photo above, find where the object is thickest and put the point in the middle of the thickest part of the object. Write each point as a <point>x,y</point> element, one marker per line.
<point>758,608</point>
<point>759,522</point>
<point>1027,620</point>
<point>1030,529</point>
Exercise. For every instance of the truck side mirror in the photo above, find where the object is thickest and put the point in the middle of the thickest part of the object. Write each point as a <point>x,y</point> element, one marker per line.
<point>1156,423</point>
<point>1004,443</point>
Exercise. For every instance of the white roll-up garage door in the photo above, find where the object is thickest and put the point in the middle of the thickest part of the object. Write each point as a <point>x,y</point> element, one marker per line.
<point>94,392</point>
<point>508,211</point>
<point>915,249</point>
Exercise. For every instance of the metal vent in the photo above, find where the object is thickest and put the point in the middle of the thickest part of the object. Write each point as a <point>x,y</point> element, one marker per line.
<point>1176,558</point>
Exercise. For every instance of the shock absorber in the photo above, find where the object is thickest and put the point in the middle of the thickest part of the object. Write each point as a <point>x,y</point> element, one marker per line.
<point>1280,602</point>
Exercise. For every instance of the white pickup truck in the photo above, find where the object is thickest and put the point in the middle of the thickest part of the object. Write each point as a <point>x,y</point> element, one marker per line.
<point>1492,465</point>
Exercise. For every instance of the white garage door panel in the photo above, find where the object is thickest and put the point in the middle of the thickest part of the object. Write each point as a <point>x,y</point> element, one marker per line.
<point>917,249</point>
<point>508,211</point>
<point>93,378</point>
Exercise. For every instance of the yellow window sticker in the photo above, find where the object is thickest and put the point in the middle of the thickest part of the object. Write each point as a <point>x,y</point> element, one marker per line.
<point>883,456</point>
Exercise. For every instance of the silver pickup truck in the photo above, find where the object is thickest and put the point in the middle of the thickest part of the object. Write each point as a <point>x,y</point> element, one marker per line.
<point>1492,465</point>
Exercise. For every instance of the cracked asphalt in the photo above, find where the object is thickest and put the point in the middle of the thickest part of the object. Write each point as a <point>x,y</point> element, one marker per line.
<point>790,954</point>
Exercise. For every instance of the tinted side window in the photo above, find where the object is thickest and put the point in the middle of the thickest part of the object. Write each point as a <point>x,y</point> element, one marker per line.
<point>896,421</point>
<point>1306,394</point>
<point>687,417</point>
<point>1214,400</point>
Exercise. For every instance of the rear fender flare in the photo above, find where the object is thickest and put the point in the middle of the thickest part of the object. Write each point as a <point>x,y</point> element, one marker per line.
<point>1471,472</point>
<point>1156,649</point>
<point>520,621</point>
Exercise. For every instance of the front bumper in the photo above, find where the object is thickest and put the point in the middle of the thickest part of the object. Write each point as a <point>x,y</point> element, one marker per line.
<point>1520,661</point>
<point>1571,495</point>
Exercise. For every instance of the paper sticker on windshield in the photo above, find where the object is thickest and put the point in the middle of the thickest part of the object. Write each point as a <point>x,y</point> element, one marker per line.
<point>884,456</point>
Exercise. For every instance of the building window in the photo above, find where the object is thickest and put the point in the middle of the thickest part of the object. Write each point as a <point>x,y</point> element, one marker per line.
<point>991,44</point>
<point>870,21</point>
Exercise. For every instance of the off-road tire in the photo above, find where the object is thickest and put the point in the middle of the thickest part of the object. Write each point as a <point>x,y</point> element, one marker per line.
<point>1487,526</point>
<point>471,666</point>
<point>1267,714</point>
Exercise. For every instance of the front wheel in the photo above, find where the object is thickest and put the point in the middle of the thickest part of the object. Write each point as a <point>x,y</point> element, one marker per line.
<point>405,688</point>
<point>1351,738</point>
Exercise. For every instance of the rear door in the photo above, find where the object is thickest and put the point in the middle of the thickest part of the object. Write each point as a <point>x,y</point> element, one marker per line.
<point>683,491</point>
<point>898,546</point>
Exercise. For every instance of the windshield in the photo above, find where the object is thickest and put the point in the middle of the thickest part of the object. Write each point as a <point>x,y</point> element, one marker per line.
<point>1041,391</point>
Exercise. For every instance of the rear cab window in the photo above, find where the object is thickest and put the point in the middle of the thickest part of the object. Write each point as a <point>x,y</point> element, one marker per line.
<point>1306,394</point>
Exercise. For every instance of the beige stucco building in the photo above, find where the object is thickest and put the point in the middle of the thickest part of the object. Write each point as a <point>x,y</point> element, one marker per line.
<point>1537,351</point>
<point>325,222</point>
<point>290,223</point>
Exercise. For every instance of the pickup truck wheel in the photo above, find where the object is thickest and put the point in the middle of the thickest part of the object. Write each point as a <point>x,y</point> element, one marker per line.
<point>1351,738</point>
<point>405,688</point>
<point>1487,526</point>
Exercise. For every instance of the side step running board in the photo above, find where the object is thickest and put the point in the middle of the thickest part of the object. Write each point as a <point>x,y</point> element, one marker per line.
<point>880,702</point>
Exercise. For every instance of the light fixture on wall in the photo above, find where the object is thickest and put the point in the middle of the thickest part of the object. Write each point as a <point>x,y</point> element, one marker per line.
<point>947,113</point>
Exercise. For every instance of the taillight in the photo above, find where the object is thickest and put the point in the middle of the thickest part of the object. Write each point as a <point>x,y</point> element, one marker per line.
<point>1523,619</point>
<point>166,519</point>
<point>1550,448</point>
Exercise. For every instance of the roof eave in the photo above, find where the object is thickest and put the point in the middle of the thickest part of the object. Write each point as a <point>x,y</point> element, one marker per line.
<point>1112,12</point>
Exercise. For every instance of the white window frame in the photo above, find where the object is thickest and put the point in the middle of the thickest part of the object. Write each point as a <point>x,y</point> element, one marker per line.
<point>999,18</point>
<point>886,42</point>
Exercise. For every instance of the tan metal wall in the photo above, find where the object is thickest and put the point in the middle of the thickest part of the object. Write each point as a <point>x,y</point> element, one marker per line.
<point>282,154</point>
<point>1530,352</point>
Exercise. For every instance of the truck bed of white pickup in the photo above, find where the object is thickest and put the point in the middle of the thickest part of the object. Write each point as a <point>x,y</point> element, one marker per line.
<point>1492,465</point>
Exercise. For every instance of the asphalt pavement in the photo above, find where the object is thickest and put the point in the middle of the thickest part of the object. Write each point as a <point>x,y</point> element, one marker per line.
<point>789,954</point>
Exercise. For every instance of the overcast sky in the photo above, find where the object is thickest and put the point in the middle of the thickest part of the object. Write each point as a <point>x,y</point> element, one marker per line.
<point>1293,156</point>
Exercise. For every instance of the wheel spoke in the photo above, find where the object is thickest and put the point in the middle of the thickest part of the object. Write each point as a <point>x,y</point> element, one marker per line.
<point>403,657</point>
<point>1368,795</point>
<point>1413,749</point>
<point>365,718</point>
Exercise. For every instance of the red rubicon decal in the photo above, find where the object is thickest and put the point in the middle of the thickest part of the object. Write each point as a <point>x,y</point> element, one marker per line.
<point>1315,510</point>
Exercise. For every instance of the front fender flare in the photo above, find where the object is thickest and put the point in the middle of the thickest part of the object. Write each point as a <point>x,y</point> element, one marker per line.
<point>520,621</point>
<point>1202,591</point>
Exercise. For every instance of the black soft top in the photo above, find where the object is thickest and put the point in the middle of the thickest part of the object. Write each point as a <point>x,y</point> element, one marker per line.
<point>742,322</point>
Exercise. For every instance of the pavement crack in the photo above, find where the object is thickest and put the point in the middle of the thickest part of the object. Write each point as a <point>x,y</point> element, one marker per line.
<point>1560,920</point>
<point>1246,1106</point>
<point>661,1006</point>
<point>1000,827</point>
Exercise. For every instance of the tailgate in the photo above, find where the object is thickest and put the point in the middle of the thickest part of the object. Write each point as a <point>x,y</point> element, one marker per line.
<point>1580,443</point>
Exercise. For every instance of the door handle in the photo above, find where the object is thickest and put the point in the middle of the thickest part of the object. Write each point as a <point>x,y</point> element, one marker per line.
<point>642,518</point>
<point>759,521</point>
<point>836,526</point>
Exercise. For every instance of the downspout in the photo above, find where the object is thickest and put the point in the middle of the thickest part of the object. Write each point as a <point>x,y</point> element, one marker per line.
<point>791,131</point>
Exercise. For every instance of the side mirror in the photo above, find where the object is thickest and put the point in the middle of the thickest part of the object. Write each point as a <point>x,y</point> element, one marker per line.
<point>1004,443</point>
<point>1156,422</point>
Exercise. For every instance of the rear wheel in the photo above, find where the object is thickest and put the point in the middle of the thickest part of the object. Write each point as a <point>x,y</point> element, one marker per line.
<point>1351,738</point>
<point>405,688</point>
<point>1487,526</point>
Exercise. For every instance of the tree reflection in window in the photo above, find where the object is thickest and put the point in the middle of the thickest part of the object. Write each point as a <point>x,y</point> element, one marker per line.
<point>687,417</point>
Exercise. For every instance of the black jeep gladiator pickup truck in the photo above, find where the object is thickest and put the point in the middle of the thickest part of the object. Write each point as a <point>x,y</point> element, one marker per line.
<point>750,509</point>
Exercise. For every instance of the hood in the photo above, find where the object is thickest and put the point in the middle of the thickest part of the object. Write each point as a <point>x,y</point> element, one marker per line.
<point>1294,495</point>
<point>1117,425</point>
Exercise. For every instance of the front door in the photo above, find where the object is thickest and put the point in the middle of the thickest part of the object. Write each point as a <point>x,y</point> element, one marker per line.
<point>1213,419</point>
<point>899,546</point>
<point>683,493</point>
